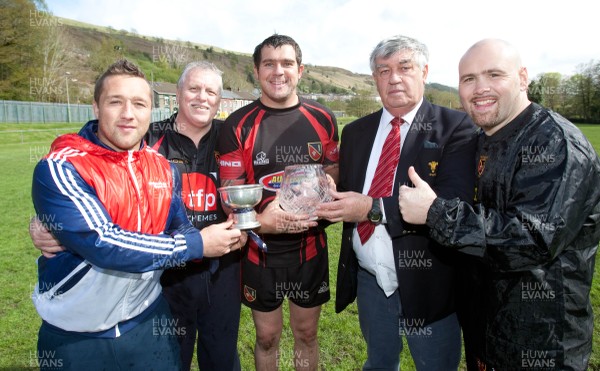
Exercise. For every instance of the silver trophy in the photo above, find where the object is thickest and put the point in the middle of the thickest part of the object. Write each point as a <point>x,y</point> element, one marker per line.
<point>303,187</point>
<point>241,199</point>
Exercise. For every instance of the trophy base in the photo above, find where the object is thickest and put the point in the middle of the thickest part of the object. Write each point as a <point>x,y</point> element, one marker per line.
<point>246,226</point>
<point>245,220</point>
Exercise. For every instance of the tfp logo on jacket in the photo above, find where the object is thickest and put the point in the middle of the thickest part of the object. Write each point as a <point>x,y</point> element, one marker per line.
<point>199,192</point>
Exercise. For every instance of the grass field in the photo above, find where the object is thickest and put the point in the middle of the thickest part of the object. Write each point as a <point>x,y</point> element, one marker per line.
<point>21,146</point>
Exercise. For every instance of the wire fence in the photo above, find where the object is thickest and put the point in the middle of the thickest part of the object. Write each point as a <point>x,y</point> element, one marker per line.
<point>39,112</point>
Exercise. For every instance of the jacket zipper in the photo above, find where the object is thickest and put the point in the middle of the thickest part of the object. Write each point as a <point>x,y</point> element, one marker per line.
<point>72,281</point>
<point>137,188</point>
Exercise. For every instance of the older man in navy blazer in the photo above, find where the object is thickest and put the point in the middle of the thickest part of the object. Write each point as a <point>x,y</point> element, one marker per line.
<point>403,281</point>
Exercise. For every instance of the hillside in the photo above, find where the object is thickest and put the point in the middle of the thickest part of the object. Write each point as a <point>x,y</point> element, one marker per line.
<point>89,48</point>
<point>60,59</point>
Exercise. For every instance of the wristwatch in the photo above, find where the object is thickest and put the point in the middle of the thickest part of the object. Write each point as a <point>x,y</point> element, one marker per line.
<point>375,215</point>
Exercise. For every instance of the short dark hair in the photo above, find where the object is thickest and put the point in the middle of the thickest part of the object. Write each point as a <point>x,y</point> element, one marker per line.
<point>120,67</point>
<point>276,41</point>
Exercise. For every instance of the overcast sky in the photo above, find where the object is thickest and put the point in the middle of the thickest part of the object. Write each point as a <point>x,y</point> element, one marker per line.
<point>342,33</point>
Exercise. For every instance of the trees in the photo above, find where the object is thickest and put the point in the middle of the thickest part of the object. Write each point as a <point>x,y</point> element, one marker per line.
<point>362,104</point>
<point>587,85</point>
<point>448,99</point>
<point>576,97</point>
<point>32,54</point>
<point>18,52</point>
<point>51,70</point>
<point>106,52</point>
<point>548,90</point>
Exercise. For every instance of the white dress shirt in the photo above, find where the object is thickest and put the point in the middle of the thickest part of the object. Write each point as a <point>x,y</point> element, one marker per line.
<point>376,255</point>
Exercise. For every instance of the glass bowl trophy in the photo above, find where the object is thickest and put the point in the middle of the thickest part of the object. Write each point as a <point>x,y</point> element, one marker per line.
<point>303,187</point>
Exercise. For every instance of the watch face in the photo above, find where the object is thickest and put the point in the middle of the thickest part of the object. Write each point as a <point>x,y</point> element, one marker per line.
<point>375,218</point>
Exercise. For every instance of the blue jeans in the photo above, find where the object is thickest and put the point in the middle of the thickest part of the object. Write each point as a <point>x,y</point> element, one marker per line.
<point>434,346</point>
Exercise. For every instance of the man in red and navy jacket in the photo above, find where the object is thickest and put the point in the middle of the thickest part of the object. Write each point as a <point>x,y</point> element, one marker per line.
<point>115,206</point>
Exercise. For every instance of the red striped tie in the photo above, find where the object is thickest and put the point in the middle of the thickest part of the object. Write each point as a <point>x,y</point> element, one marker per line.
<point>382,184</point>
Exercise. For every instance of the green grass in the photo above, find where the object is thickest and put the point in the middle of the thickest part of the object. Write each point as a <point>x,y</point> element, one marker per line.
<point>342,346</point>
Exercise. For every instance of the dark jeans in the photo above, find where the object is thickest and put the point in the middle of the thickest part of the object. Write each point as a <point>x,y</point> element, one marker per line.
<point>148,346</point>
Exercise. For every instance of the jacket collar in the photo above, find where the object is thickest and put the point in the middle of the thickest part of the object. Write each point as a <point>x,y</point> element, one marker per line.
<point>87,141</point>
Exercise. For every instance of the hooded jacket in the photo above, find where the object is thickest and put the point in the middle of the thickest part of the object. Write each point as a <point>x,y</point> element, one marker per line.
<point>536,227</point>
<point>120,217</point>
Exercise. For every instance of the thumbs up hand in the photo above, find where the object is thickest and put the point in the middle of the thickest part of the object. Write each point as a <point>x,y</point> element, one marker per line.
<point>415,202</point>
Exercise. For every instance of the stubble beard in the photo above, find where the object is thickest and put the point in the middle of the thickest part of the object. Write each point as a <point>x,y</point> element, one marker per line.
<point>486,120</point>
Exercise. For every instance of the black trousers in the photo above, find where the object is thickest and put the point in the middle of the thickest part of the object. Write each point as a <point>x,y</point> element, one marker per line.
<point>206,308</point>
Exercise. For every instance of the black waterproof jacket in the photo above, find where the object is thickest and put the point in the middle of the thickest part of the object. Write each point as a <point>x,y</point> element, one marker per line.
<point>536,227</point>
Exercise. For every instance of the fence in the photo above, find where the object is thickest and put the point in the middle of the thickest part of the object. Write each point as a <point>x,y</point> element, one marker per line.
<point>37,112</point>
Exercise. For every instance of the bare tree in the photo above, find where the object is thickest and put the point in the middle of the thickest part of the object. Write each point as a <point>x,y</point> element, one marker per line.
<point>52,84</point>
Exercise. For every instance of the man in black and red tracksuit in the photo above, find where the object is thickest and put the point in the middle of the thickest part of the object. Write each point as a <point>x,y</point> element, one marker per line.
<point>204,296</point>
<point>256,143</point>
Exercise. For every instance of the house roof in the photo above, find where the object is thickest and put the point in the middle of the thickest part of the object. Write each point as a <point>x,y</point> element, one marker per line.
<point>228,94</point>
<point>246,95</point>
<point>164,88</point>
<point>240,95</point>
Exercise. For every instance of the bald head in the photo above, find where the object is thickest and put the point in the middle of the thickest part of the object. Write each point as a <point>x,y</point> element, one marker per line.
<point>500,48</point>
<point>492,84</point>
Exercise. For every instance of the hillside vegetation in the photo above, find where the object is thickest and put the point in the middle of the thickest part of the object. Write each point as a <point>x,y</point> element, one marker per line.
<point>45,56</point>
<point>49,59</point>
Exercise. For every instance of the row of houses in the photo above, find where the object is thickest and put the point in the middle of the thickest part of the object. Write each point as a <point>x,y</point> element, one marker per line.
<point>165,99</point>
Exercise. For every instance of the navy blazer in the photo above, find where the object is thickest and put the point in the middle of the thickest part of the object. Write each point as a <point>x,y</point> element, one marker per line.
<point>441,145</point>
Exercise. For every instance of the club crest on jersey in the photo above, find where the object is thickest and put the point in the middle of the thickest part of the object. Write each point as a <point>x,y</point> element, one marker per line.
<point>315,150</point>
<point>481,165</point>
<point>433,167</point>
<point>261,159</point>
<point>249,293</point>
